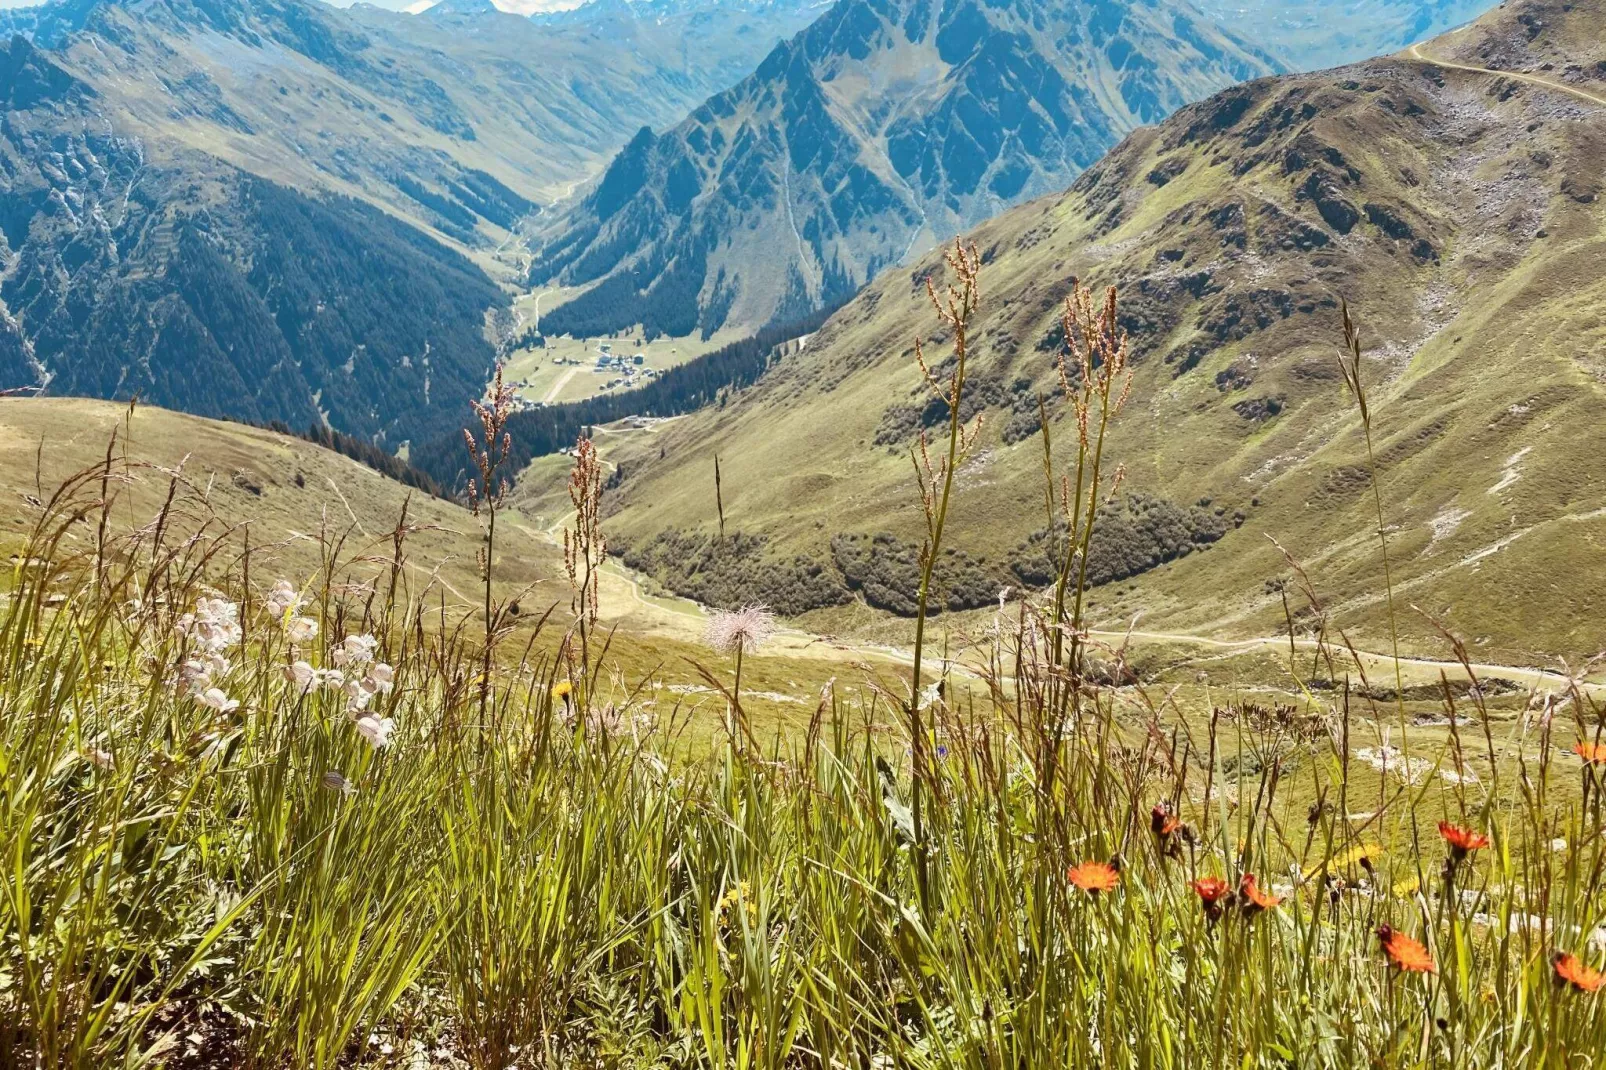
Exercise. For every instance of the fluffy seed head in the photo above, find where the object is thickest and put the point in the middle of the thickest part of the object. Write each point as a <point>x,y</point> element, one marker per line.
<point>744,629</point>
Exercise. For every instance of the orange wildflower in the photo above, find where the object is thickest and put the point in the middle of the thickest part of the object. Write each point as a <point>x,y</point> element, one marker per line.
<point>1462,841</point>
<point>1094,877</point>
<point>1163,821</point>
<point>1405,953</point>
<point>1253,898</point>
<point>1571,971</point>
<point>1214,894</point>
<point>1591,753</point>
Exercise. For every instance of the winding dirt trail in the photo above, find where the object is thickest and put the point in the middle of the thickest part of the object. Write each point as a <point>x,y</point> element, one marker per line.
<point>1532,79</point>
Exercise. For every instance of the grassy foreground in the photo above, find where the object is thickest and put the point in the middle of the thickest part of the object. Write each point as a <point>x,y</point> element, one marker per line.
<point>265,824</point>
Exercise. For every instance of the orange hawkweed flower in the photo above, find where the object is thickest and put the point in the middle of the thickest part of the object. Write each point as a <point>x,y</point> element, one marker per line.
<point>1163,821</point>
<point>1591,753</point>
<point>1253,898</point>
<point>1462,841</point>
<point>1405,953</point>
<point>1094,877</point>
<point>1214,894</point>
<point>1571,971</point>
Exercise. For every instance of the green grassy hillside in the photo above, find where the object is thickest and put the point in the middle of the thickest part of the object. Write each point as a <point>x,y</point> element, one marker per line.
<point>1460,215</point>
<point>314,516</point>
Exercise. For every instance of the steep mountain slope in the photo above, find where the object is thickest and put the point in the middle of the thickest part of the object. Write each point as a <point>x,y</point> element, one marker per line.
<point>1461,215</point>
<point>884,126</point>
<point>267,208</point>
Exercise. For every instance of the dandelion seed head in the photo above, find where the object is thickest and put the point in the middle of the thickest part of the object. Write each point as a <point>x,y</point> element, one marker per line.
<point>745,629</point>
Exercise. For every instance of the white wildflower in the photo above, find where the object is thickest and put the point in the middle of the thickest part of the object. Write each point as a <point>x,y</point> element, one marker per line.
<point>744,630</point>
<point>375,729</point>
<point>215,624</point>
<point>333,679</point>
<point>100,757</point>
<point>215,699</point>
<point>380,679</point>
<point>357,697</point>
<point>283,600</point>
<point>301,630</point>
<point>335,782</point>
<point>195,675</point>
<point>356,651</point>
<point>301,676</point>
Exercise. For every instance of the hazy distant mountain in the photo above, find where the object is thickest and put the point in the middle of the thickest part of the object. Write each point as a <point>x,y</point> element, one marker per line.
<point>885,126</point>
<point>239,206</point>
<point>1313,34</point>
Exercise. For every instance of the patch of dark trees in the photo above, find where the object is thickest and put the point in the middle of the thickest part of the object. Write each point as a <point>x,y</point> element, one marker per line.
<point>362,451</point>
<point>1133,536</point>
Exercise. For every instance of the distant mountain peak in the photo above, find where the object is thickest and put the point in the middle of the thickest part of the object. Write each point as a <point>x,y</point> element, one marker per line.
<point>886,126</point>
<point>463,7</point>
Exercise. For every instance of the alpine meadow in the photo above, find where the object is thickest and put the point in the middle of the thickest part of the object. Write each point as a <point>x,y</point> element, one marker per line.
<point>802,534</point>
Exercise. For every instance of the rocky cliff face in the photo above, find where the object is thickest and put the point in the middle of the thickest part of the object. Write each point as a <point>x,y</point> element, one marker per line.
<point>886,126</point>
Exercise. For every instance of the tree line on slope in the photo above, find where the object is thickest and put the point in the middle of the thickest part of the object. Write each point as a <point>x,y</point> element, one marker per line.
<point>362,451</point>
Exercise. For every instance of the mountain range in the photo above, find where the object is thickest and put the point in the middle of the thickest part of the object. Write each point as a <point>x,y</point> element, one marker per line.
<point>1452,195</point>
<point>885,126</point>
<point>278,210</point>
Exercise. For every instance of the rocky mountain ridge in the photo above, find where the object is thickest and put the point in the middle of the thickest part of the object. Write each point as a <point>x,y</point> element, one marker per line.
<point>885,126</point>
